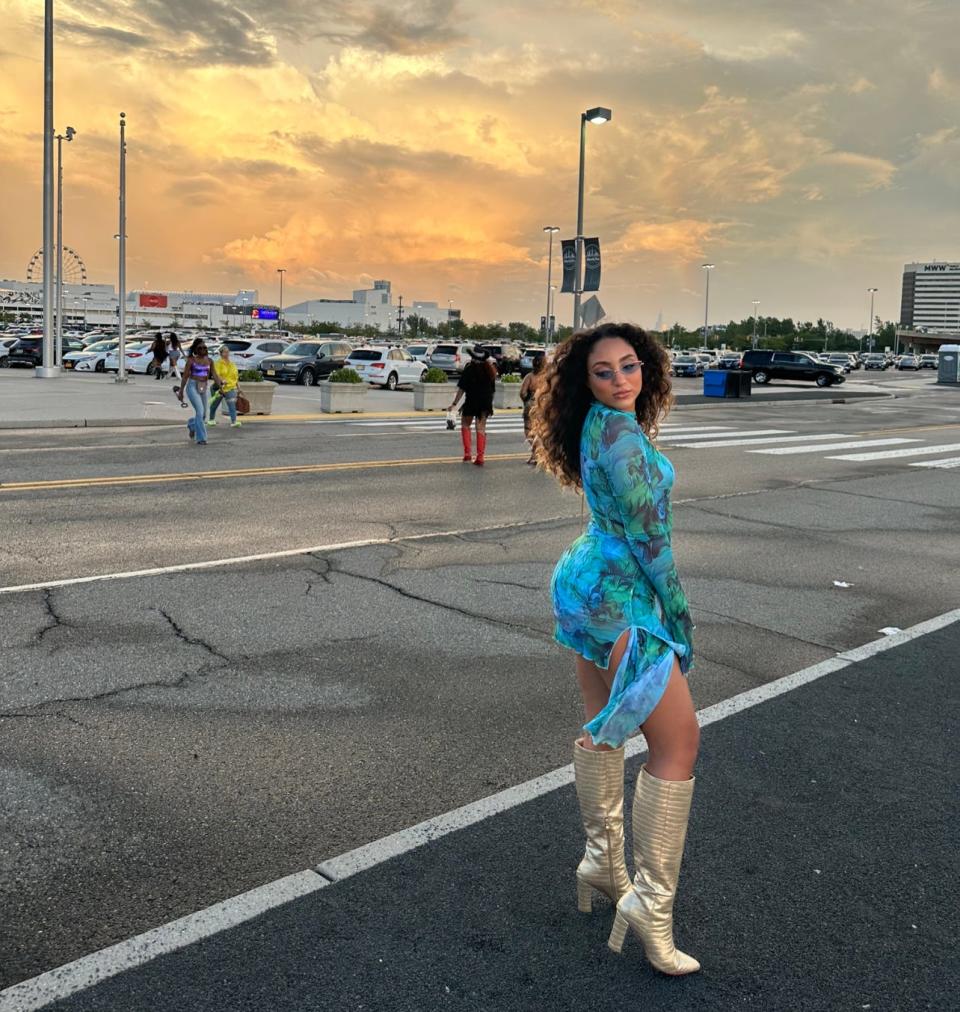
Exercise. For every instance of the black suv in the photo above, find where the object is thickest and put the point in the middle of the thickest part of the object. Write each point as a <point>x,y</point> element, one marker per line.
<point>506,357</point>
<point>789,365</point>
<point>306,362</point>
<point>28,351</point>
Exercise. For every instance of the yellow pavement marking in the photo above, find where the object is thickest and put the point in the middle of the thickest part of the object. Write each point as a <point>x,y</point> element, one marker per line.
<point>249,472</point>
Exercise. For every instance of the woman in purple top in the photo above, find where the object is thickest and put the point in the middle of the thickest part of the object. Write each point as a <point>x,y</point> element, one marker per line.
<point>198,374</point>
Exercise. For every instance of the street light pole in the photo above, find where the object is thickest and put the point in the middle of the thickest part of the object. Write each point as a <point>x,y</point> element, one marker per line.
<point>597,115</point>
<point>872,291</point>
<point>546,323</point>
<point>706,305</point>
<point>122,266</point>
<point>281,271</point>
<point>48,369</point>
<point>58,343</point>
<point>753,340</point>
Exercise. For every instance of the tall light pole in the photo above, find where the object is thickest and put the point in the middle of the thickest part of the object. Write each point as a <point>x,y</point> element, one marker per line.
<point>550,229</point>
<point>551,329</point>
<point>122,266</point>
<point>281,271</point>
<point>86,299</point>
<point>753,340</point>
<point>873,292</point>
<point>58,343</point>
<point>706,303</point>
<point>597,115</point>
<point>48,369</point>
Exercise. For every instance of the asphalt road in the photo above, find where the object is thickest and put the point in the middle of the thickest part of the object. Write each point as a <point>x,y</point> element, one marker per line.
<point>167,741</point>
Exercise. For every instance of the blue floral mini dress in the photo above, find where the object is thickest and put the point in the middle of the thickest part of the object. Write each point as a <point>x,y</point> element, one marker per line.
<point>620,575</point>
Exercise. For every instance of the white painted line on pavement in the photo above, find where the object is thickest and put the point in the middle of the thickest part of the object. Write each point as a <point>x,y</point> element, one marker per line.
<point>751,441</point>
<point>914,451</point>
<point>849,445</point>
<point>742,434</point>
<point>54,985</point>
<point>946,462</point>
<point>288,553</point>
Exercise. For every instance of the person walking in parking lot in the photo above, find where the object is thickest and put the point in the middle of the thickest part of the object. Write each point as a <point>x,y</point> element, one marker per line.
<point>228,376</point>
<point>619,605</point>
<point>173,354</point>
<point>476,385</point>
<point>198,373</point>
<point>528,394</point>
<point>159,350</point>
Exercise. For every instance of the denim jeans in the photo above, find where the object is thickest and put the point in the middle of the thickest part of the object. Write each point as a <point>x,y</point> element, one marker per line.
<point>230,399</point>
<point>199,402</point>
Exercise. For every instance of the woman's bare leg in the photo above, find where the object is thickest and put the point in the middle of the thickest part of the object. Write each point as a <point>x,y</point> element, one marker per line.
<point>595,683</point>
<point>672,732</point>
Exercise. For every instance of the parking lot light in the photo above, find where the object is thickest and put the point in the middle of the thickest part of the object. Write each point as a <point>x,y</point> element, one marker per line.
<point>706,305</point>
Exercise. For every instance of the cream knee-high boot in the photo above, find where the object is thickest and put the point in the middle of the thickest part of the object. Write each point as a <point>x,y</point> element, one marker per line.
<point>661,809</point>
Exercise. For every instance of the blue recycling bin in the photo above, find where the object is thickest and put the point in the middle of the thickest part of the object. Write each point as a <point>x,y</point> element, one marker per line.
<point>714,383</point>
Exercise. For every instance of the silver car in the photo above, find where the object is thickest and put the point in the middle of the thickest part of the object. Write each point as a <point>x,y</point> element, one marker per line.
<point>451,358</point>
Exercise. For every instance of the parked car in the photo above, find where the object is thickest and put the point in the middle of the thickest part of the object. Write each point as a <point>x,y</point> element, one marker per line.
<point>248,353</point>
<point>28,351</point>
<point>839,359</point>
<point>875,361</point>
<point>729,360</point>
<point>506,357</point>
<point>306,362</point>
<point>91,358</point>
<point>451,358</point>
<point>687,365</point>
<point>929,362</point>
<point>765,365</point>
<point>386,366</point>
<point>909,362</point>
<point>138,357</point>
<point>6,343</point>
<point>421,352</point>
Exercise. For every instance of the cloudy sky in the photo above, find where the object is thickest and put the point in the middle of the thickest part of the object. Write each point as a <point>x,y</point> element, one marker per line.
<point>808,149</point>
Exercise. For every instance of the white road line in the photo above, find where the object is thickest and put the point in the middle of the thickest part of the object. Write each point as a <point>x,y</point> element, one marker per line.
<point>849,445</point>
<point>914,451</point>
<point>945,463</point>
<point>738,435</point>
<point>86,972</point>
<point>285,554</point>
<point>751,441</point>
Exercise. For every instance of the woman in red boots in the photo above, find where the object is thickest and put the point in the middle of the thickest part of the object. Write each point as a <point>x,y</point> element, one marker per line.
<point>475,386</point>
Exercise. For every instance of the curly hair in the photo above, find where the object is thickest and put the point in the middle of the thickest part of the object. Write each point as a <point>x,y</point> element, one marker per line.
<point>564,398</point>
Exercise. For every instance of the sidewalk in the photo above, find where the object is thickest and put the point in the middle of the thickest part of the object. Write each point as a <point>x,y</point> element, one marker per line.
<point>819,874</point>
<point>72,401</point>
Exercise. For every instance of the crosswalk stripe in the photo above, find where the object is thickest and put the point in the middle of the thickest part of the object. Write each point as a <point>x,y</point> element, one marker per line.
<point>946,462</point>
<point>913,451</point>
<point>733,435</point>
<point>850,445</point>
<point>752,441</point>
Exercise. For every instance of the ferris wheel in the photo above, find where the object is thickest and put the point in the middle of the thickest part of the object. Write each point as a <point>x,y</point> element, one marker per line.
<point>74,269</point>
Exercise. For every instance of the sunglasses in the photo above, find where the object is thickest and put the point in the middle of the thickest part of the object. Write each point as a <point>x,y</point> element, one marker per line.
<point>607,375</point>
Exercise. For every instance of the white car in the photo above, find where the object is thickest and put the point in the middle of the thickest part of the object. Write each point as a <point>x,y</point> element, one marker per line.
<point>138,357</point>
<point>421,352</point>
<point>92,358</point>
<point>6,343</point>
<point>248,353</point>
<point>385,366</point>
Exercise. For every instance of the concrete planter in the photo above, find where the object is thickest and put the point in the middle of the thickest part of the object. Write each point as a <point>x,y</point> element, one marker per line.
<point>432,396</point>
<point>506,395</point>
<point>260,396</point>
<point>342,398</point>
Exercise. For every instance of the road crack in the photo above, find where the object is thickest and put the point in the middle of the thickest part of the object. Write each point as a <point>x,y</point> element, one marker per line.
<point>56,621</point>
<point>196,642</point>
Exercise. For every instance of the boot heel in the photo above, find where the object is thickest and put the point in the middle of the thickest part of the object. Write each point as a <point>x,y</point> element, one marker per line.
<point>584,897</point>
<point>619,932</point>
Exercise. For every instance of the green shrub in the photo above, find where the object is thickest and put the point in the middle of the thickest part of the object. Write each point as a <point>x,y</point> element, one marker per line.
<point>511,377</point>
<point>250,376</point>
<point>345,376</point>
<point>435,376</point>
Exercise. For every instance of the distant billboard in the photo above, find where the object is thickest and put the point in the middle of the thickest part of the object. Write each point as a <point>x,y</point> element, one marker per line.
<point>152,300</point>
<point>264,313</point>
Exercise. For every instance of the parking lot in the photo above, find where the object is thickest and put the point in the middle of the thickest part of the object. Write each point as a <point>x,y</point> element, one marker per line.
<point>331,630</point>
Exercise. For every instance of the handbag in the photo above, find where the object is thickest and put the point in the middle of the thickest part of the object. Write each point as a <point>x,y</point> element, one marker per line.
<point>243,405</point>
<point>451,423</point>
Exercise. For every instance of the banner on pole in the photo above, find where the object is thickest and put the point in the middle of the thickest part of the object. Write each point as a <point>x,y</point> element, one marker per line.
<point>591,276</point>
<point>568,249</point>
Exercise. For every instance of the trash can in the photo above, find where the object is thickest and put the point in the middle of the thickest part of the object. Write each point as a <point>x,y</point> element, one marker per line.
<point>739,383</point>
<point>948,371</point>
<point>714,383</point>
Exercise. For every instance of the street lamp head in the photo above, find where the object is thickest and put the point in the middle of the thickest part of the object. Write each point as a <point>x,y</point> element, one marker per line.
<point>551,228</point>
<point>598,115</point>
<point>873,289</point>
<point>708,267</point>
<point>71,133</point>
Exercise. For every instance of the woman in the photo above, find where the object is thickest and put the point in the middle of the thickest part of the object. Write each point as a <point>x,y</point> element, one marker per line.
<point>619,604</point>
<point>528,393</point>
<point>476,386</point>
<point>197,375</point>
<point>159,349</point>
<point>174,352</point>
<point>227,375</point>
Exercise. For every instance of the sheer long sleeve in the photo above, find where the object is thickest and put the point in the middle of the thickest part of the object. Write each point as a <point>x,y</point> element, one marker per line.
<point>642,496</point>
